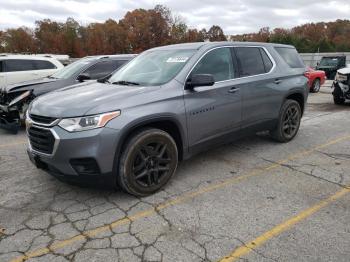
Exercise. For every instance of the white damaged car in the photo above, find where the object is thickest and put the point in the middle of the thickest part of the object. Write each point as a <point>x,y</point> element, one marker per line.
<point>341,86</point>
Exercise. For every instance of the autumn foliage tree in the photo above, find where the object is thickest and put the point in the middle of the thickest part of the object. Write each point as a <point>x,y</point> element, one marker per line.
<point>311,37</point>
<point>141,29</point>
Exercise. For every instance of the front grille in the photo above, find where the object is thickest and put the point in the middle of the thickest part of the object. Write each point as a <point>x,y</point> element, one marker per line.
<point>42,119</point>
<point>41,140</point>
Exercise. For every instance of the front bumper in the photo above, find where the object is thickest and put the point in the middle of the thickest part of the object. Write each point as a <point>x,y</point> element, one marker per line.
<point>98,145</point>
<point>9,119</point>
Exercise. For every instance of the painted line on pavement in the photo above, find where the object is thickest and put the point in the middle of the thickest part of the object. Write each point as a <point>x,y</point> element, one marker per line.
<point>177,200</point>
<point>277,230</point>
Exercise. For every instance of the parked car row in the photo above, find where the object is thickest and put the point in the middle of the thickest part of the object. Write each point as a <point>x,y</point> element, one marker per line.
<point>17,95</point>
<point>165,105</point>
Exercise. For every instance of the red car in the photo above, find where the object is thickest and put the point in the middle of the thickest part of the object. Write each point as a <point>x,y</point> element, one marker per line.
<point>316,79</point>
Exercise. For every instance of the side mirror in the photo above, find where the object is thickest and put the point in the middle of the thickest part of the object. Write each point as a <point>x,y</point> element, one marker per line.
<point>200,80</point>
<point>83,77</point>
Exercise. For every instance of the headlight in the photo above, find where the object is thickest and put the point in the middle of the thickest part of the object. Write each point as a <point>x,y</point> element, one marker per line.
<point>87,122</point>
<point>19,98</point>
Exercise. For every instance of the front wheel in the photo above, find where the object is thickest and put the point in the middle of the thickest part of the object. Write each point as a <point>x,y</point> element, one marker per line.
<point>148,161</point>
<point>288,122</point>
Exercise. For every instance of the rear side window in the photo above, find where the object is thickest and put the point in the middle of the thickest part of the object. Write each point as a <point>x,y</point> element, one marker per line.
<point>250,60</point>
<point>218,63</point>
<point>290,56</point>
<point>14,65</point>
<point>43,64</point>
<point>104,68</point>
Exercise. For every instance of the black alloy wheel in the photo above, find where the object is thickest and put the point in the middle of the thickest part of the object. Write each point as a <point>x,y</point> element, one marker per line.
<point>288,122</point>
<point>291,121</point>
<point>148,162</point>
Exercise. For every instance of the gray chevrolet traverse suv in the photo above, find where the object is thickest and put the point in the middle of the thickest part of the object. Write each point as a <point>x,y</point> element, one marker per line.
<point>164,106</point>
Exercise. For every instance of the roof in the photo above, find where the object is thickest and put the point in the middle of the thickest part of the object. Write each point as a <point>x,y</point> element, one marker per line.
<point>198,45</point>
<point>32,57</point>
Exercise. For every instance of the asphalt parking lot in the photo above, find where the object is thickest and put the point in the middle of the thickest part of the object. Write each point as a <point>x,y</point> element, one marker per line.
<point>252,200</point>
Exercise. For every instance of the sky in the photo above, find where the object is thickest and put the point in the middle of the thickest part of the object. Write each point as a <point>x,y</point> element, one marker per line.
<point>234,16</point>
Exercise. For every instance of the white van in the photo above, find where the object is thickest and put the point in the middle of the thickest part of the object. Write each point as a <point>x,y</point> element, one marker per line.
<point>19,68</point>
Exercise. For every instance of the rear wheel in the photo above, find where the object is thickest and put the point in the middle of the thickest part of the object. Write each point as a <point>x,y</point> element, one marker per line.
<point>316,85</point>
<point>288,122</point>
<point>148,161</point>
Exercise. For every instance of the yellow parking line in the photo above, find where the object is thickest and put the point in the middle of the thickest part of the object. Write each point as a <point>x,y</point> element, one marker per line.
<point>260,240</point>
<point>175,201</point>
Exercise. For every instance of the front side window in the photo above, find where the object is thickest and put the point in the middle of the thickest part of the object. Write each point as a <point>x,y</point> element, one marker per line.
<point>15,65</point>
<point>154,67</point>
<point>218,63</point>
<point>72,69</point>
<point>250,60</point>
<point>43,64</point>
<point>103,68</point>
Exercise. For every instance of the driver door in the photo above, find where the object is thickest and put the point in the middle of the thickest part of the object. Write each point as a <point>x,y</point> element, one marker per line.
<point>213,111</point>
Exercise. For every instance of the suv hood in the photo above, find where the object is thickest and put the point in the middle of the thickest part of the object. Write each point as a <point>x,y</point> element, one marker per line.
<point>82,99</point>
<point>23,86</point>
<point>344,71</point>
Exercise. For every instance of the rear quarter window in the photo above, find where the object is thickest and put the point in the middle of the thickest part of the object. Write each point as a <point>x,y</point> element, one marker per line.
<point>290,56</point>
<point>43,64</point>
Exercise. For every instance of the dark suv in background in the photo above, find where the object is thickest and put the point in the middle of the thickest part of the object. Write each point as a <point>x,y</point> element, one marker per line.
<point>164,106</point>
<point>14,99</point>
<point>330,65</point>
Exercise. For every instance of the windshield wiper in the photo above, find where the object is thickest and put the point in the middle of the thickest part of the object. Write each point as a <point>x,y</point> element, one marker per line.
<point>125,83</point>
<point>52,77</point>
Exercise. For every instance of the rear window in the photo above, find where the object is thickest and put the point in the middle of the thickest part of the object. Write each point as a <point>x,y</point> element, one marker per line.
<point>250,60</point>
<point>290,56</point>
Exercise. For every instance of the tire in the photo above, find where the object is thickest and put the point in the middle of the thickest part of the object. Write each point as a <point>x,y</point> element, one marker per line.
<point>148,161</point>
<point>338,100</point>
<point>316,86</point>
<point>288,122</point>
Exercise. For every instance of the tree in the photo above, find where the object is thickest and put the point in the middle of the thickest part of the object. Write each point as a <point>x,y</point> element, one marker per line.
<point>20,40</point>
<point>215,33</point>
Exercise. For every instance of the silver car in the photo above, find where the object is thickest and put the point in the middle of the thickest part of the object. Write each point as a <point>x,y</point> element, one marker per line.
<point>164,106</point>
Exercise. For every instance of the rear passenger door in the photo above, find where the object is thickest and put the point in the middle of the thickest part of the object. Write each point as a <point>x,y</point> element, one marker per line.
<point>19,70</point>
<point>258,85</point>
<point>213,110</point>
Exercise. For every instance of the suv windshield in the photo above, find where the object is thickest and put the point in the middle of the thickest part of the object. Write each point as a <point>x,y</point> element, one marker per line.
<point>329,61</point>
<point>72,69</point>
<point>153,68</point>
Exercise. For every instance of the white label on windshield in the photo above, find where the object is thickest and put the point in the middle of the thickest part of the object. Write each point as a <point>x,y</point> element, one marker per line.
<point>180,59</point>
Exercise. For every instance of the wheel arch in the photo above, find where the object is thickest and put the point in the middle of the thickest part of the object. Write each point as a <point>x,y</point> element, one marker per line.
<point>299,97</point>
<point>166,123</point>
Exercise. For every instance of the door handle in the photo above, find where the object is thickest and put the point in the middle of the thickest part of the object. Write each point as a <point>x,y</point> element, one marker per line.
<point>278,81</point>
<point>233,90</point>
